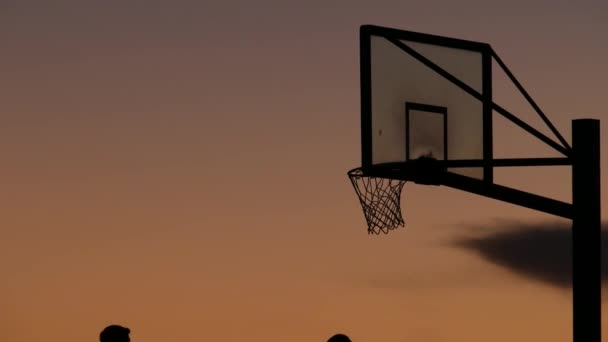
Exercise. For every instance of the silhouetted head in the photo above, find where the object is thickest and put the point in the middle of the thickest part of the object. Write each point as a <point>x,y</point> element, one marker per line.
<point>339,338</point>
<point>115,333</point>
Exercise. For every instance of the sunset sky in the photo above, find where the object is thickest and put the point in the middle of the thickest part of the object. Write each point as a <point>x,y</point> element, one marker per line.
<point>179,167</point>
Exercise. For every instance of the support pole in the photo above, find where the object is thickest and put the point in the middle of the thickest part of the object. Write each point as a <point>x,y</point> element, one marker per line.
<point>586,232</point>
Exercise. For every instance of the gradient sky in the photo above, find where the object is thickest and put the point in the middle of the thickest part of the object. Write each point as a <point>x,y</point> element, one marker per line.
<point>179,167</point>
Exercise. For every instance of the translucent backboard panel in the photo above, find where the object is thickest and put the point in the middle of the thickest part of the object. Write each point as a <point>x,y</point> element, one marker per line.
<point>398,78</point>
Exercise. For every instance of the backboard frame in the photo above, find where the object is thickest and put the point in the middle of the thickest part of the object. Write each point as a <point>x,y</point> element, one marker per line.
<point>396,37</point>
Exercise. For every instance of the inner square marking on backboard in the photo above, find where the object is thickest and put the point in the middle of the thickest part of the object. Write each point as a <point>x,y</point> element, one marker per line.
<point>429,131</point>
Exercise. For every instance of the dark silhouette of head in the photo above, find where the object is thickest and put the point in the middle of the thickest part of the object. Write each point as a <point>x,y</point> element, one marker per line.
<point>339,338</point>
<point>115,333</point>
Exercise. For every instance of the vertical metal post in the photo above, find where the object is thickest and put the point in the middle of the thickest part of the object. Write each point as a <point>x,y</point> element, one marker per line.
<point>488,114</point>
<point>586,231</point>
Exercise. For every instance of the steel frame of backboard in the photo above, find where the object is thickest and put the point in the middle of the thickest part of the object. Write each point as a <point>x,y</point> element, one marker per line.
<point>487,53</point>
<point>583,156</point>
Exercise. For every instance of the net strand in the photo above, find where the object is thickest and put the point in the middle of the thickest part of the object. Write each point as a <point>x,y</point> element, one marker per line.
<point>380,199</point>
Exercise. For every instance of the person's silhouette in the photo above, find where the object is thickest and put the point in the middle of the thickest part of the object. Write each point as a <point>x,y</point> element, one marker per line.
<point>339,338</point>
<point>115,333</point>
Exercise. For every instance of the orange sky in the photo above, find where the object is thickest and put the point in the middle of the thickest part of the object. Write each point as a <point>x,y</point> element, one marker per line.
<point>179,167</point>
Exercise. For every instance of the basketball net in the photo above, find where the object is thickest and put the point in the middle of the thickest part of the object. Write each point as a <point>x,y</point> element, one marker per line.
<point>380,199</point>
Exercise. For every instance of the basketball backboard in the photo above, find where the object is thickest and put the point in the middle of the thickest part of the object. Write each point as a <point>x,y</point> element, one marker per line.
<point>425,96</point>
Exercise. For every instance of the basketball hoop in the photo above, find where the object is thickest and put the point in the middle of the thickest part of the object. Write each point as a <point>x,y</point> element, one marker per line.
<point>427,109</point>
<point>380,199</point>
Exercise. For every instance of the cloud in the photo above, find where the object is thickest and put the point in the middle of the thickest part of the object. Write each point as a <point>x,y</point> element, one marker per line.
<point>540,251</point>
